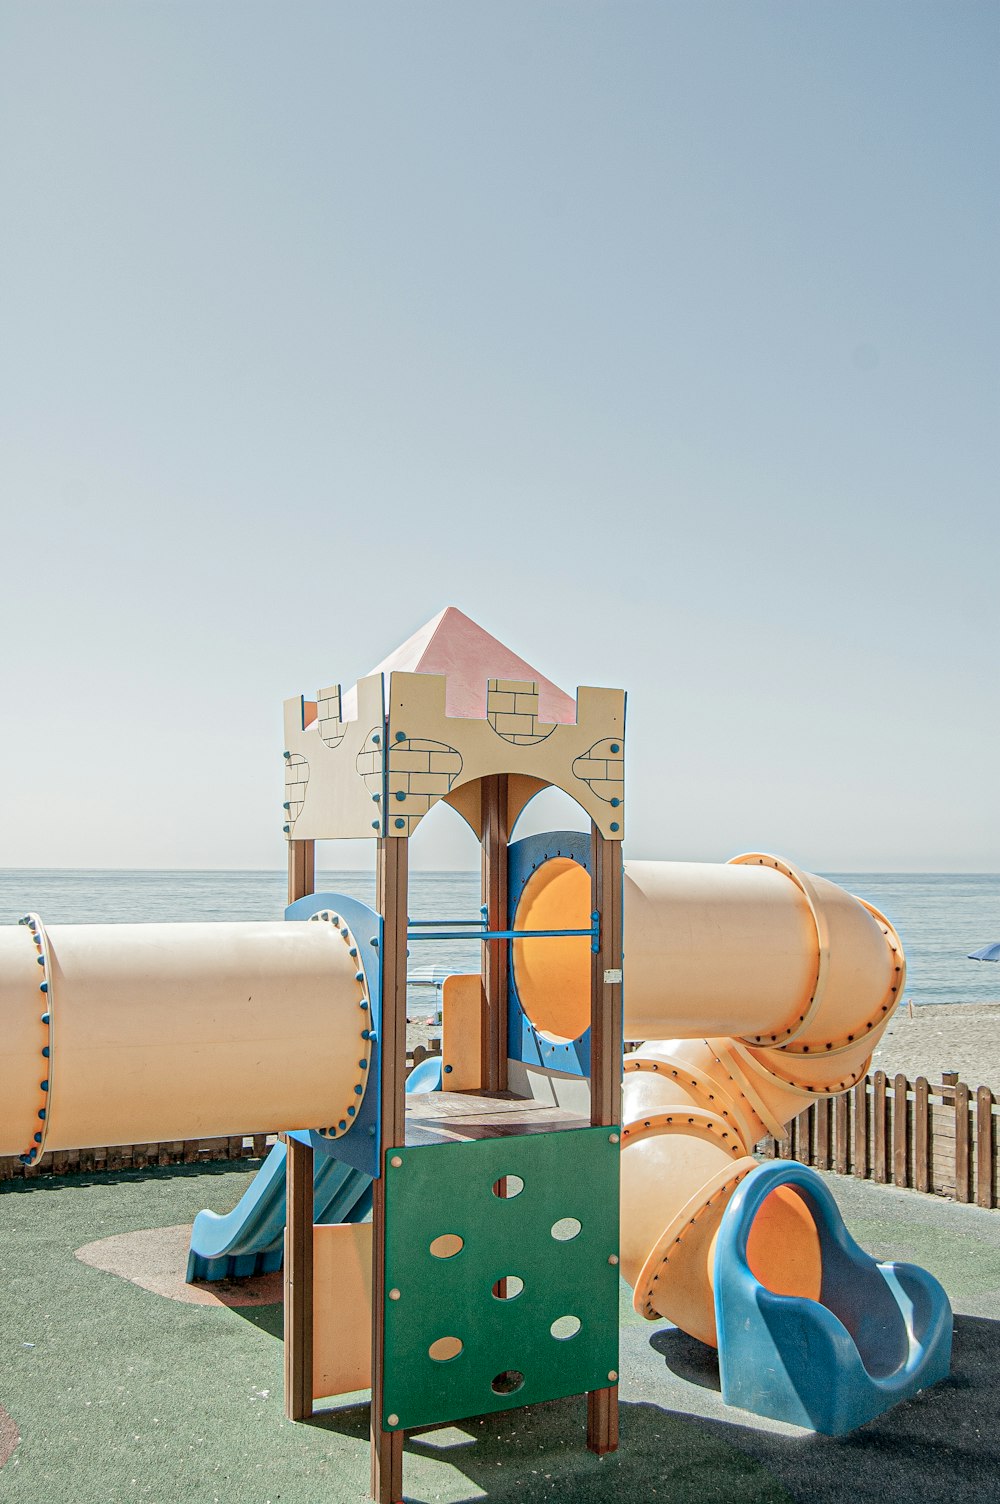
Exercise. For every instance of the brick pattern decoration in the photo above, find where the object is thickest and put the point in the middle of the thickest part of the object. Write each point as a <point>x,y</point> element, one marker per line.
<point>512,711</point>
<point>296,783</point>
<point>369,766</point>
<point>420,772</point>
<point>603,768</point>
<point>331,728</point>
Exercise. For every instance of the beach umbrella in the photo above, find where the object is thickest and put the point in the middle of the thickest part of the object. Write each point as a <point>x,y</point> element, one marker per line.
<point>988,953</point>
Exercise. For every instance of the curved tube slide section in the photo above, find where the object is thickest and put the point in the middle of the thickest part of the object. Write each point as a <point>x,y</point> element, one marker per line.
<point>138,1033</point>
<point>757,988</point>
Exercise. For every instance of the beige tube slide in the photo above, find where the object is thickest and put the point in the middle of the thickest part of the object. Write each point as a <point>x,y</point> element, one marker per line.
<point>757,988</point>
<point>139,1033</point>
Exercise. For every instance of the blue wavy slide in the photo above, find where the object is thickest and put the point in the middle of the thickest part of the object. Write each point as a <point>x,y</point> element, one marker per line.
<point>250,1239</point>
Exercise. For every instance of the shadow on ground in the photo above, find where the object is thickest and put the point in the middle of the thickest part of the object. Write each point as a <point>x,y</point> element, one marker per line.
<point>79,1179</point>
<point>943,1444</point>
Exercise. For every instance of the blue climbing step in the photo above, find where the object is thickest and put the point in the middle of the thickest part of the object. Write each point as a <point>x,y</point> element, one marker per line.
<point>878,1333</point>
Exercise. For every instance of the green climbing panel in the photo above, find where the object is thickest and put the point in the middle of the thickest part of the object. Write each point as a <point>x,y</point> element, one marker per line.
<point>526,1309</point>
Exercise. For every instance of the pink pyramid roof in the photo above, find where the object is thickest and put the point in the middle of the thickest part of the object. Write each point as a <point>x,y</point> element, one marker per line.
<point>453,645</point>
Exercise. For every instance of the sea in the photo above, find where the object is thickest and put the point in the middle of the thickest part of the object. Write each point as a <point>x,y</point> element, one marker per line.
<point>941,916</point>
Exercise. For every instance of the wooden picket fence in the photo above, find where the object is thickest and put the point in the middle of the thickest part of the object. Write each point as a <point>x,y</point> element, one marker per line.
<point>180,1152</point>
<point>938,1138</point>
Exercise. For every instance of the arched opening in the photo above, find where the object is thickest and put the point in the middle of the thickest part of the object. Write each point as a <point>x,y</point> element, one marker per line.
<point>553,974</point>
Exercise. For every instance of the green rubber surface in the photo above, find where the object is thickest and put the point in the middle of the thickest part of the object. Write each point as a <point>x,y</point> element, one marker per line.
<point>509,1354</point>
<point>120,1395</point>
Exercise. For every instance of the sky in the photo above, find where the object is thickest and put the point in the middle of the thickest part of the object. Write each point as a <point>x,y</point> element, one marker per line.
<point>660,338</point>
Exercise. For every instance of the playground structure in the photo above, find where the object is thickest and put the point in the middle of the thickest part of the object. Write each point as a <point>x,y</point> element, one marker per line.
<point>503,1206</point>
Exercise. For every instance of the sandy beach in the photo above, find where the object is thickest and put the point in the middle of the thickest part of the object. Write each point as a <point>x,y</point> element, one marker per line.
<point>963,1037</point>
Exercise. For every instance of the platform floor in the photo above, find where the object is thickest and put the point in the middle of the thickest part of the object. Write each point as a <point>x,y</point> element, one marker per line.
<point>119,1393</point>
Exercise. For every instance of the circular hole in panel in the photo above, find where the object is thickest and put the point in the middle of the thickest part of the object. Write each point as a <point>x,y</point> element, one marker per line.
<point>508,1382</point>
<point>509,1287</point>
<point>565,1327</point>
<point>444,1349</point>
<point>508,1186</point>
<point>566,1229</point>
<point>446,1245</point>
<point>553,975</point>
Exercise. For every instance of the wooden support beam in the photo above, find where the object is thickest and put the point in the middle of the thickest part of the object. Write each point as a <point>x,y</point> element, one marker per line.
<point>494,889</point>
<point>298,1280</point>
<point>298,1283</point>
<point>605,1063</point>
<point>391,901</point>
<point>301,869</point>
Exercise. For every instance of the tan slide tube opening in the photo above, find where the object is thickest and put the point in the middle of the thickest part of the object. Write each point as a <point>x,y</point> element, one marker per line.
<point>158,1032</point>
<point>772,987</point>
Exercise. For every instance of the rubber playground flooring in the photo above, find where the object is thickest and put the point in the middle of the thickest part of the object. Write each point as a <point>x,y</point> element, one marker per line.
<point>111,1392</point>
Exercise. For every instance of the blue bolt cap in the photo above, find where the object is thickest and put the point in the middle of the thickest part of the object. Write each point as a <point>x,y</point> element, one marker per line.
<point>400,824</point>
<point>44,1085</point>
<point>41,1113</point>
<point>342,1125</point>
<point>363,1005</point>
<point>358,1090</point>
<point>286,829</point>
<point>400,795</point>
<point>374,825</point>
<point>43,987</point>
<point>615,747</point>
<point>46,1018</point>
<point>376,798</point>
<point>45,1051</point>
<point>350,1112</point>
<point>615,803</point>
<point>615,825</point>
<point>363,1064</point>
<point>401,736</point>
<point>366,1033</point>
<point>376,738</point>
<point>40,960</point>
<point>359,976</point>
<point>353,950</point>
<point>286,754</point>
<point>38,1138</point>
<point>447,1070</point>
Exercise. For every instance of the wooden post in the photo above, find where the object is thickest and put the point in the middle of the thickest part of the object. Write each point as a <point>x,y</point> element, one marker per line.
<point>298,1282</point>
<point>605,1063</point>
<point>821,1113</point>
<point>861,1129</point>
<point>494,889</point>
<point>301,869</point>
<point>961,1141</point>
<point>391,901</point>
<point>842,1133</point>
<point>984,1146</point>
<point>921,1134</point>
<point>900,1130</point>
<point>880,1145</point>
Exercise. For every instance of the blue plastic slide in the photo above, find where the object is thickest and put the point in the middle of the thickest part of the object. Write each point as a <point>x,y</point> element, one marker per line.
<point>877,1334</point>
<point>250,1239</point>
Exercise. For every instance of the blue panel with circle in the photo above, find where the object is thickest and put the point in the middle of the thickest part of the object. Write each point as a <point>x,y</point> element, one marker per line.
<point>524,1041</point>
<point>361,1146</point>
